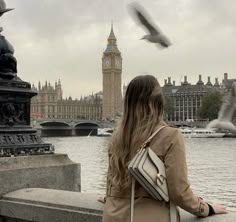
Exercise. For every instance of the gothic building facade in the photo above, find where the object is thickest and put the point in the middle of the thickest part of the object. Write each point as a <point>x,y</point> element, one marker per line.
<point>106,105</point>
<point>49,104</point>
<point>111,69</point>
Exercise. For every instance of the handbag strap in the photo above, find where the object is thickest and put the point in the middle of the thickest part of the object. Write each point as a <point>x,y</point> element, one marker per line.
<point>151,137</point>
<point>173,208</point>
<point>173,212</point>
<point>132,199</point>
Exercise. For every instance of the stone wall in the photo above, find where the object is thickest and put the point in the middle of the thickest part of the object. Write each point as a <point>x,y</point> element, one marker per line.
<point>54,171</point>
<point>45,205</point>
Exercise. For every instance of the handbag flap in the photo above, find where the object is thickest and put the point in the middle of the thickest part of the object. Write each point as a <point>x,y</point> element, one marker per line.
<point>160,177</point>
<point>157,162</point>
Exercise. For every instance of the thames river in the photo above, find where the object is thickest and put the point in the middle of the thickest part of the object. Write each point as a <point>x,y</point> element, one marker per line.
<point>211,165</point>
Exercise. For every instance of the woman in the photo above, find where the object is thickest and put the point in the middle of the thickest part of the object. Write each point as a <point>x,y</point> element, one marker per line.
<point>143,109</point>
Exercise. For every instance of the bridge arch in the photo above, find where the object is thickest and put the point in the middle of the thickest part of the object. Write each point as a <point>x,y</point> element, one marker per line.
<point>54,123</point>
<point>86,129</point>
<point>55,128</point>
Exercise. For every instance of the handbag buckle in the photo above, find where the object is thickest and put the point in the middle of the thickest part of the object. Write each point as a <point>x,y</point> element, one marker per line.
<point>161,178</point>
<point>143,146</point>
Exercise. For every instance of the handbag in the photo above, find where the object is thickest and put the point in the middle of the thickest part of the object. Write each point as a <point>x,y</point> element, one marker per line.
<point>148,169</point>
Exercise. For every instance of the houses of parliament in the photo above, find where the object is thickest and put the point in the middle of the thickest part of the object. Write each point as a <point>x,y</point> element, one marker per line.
<point>105,105</point>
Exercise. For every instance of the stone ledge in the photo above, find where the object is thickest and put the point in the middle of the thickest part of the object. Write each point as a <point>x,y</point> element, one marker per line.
<point>45,205</point>
<point>54,171</point>
<point>25,162</point>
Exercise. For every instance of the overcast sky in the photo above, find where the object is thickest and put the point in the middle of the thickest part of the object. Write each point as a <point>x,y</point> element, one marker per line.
<point>65,39</point>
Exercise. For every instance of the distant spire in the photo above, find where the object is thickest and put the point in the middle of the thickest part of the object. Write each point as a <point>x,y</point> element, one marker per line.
<point>111,45</point>
<point>216,83</point>
<point>200,82</point>
<point>209,81</point>
<point>33,86</point>
<point>112,35</point>
<point>39,85</point>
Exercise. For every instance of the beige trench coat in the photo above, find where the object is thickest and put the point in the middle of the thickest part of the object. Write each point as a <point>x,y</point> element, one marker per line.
<point>168,144</point>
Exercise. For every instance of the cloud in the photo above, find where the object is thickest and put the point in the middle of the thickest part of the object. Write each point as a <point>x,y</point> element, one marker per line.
<point>65,39</point>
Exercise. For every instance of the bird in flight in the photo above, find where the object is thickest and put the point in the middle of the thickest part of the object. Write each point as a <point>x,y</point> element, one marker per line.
<point>3,8</point>
<point>155,35</point>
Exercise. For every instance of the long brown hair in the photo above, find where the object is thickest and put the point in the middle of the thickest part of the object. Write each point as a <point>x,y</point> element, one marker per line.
<point>143,108</point>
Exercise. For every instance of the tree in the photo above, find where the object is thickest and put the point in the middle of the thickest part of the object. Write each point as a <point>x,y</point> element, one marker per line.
<point>211,104</point>
<point>169,108</point>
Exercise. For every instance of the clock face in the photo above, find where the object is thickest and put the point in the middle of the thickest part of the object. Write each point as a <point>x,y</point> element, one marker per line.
<point>118,62</point>
<point>107,63</point>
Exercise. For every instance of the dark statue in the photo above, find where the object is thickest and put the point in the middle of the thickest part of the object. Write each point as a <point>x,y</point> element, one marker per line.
<point>17,137</point>
<point>8,63</point>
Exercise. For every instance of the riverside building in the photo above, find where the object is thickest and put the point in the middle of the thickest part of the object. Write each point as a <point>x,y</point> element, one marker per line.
<point>187,98</point>
<point>106,105</point>
<point>50,104</point>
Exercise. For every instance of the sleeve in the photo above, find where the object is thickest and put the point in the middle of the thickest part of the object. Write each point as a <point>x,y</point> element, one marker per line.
<point>177,179</point>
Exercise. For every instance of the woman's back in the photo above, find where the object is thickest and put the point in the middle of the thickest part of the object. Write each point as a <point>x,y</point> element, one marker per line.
<point>143,108</point>
<point>146,208</point>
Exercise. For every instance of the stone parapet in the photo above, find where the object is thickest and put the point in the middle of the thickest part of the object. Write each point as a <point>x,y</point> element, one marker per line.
<point>45,205</point>
<point>53,171</point>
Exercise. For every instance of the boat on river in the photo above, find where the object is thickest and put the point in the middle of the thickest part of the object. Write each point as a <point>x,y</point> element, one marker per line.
<point>201,133</point>
<point>105,132</point>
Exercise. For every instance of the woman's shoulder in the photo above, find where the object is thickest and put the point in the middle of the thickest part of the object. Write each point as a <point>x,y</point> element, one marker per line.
<point>170,131</point>
<point>167,135</point>
<point>165,139</point>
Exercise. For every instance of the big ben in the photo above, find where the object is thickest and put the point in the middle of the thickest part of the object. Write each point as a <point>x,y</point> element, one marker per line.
<point>111,69</point>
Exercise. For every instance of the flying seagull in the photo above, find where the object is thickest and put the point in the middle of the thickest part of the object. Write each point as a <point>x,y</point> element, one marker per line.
<point>155,35</point>
<point>3,8</point>
<point>225,115</point>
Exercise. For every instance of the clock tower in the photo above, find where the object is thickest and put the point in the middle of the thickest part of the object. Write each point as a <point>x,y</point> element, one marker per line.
<point>111,69</point>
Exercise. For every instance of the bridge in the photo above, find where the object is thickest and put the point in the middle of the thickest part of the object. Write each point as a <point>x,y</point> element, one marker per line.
<point>82,127</point>
<point>69,127</point>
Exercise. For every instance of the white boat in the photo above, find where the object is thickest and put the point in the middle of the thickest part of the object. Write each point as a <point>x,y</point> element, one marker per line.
<point>201,133</point>
<point>104,132</point>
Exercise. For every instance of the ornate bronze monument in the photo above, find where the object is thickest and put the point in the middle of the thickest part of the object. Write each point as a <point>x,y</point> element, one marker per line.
<point>17,137</point>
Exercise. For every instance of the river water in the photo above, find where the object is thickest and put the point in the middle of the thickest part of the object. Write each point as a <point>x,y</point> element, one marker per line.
<point>211,165</point>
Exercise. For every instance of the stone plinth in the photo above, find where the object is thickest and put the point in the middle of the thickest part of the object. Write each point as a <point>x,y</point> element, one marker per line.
<point>17,137</point>
<point>45,205</point>
<point>53,171</point>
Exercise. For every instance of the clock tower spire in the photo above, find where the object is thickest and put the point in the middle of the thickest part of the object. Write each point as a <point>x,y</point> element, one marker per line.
<point>111,69</point>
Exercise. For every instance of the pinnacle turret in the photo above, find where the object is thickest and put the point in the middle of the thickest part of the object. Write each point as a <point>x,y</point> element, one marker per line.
<point>111,42</point>
<point>112,35</point>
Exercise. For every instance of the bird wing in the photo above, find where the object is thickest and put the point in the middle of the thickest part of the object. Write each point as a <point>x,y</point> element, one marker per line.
<point>144,21</point>
<point>164,43</point>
